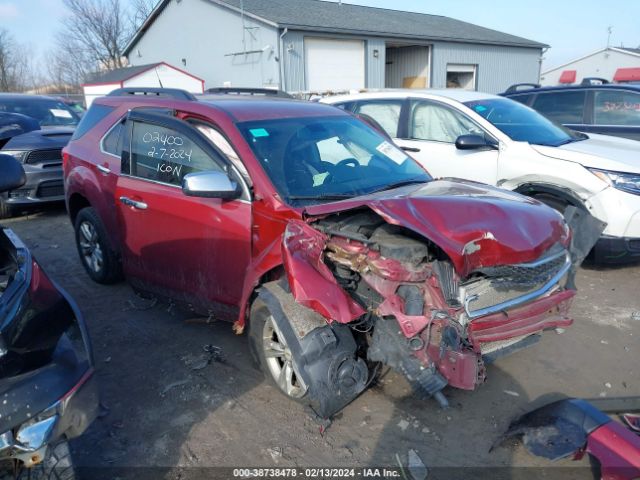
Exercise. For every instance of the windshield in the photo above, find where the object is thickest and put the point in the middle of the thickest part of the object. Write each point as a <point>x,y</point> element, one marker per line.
<point>315,159</point>
<point>523,124</point>
<point>48,112</point>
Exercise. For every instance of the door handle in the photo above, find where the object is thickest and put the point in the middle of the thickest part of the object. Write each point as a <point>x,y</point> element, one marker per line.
<point>410,149</point>
<point>133,203</point>
<point>104,169</point>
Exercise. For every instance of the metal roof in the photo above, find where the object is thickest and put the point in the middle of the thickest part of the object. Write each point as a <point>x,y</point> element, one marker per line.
<point>119,74</point>
<point>333,17</point>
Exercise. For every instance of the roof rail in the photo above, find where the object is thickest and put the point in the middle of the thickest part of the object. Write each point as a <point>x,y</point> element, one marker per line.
<point>594,81</point>
<point>268,92</point>
<point>517,86</point>
<point>157,92</point>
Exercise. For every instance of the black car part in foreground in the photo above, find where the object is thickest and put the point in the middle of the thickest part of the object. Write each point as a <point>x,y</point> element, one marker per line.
<point>46,363</point>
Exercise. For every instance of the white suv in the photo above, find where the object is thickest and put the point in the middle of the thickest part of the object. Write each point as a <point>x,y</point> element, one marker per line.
<point>494,140</point>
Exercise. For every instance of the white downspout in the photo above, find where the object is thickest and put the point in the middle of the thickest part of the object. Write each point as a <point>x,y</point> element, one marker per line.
<point>283,85</point>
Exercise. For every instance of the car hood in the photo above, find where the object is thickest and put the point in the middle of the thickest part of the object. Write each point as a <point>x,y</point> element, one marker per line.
<point>598,151</point>
<point>40,139</point>
<point>476,225</point>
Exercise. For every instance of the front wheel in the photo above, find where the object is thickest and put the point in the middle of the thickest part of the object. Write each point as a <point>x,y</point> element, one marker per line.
<point>99,260</point>
<point>273,354</point>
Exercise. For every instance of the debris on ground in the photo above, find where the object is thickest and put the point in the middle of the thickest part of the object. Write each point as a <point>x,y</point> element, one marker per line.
<point>607,384</point>
<point>103,410</point>
<point>560,330</point>
<point>403,424</point>
<point>512,393</point>
<point>635,315</point>
<point>174,385</point>
<point>276,453</point>
<point>416,466</point>
<point>141,307</point>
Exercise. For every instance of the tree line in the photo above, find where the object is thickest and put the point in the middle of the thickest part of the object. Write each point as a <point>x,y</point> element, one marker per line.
<point>90,39</point>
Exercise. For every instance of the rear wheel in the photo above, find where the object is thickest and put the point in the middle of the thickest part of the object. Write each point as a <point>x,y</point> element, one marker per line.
<point>99,260</point>
<point>273,354</point>
<point>5,209</point>
<point>57,465</point>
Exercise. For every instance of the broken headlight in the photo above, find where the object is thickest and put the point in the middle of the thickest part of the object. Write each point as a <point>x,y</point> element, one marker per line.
<point>627,182</point>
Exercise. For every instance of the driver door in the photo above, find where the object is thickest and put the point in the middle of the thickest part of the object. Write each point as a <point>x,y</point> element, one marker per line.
<point>194,250</point>
<point>430,138</point>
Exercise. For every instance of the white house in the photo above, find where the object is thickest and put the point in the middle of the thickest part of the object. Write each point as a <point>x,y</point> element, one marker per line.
<point>614,64</point>
<point>159,74</point>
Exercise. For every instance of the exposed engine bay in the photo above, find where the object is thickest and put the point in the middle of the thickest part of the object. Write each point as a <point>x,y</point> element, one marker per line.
<point>404,300</point>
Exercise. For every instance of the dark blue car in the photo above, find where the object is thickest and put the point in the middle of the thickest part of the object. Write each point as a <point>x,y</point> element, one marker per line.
<point>594,106</point>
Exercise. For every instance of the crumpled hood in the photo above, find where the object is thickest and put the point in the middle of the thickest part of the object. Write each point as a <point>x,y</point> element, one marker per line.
<point>598,151</point>
<point>475,224</point>
<point>40,139</point>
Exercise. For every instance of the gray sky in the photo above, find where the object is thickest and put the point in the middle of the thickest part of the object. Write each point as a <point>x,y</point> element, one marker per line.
<point>572,27</point>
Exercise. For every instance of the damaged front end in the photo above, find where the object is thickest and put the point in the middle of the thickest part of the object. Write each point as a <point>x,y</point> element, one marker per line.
<point>416,309</point>
<point>47,385</point>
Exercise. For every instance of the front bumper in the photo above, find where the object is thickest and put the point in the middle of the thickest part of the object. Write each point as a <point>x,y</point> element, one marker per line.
<point>616,250</point>
<point>44,185</point>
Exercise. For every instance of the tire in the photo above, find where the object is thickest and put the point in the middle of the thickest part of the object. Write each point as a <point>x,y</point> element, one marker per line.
<point>5,210</point>
<point>57,465</point>
<point>98,259</point>
<point>266,342</point>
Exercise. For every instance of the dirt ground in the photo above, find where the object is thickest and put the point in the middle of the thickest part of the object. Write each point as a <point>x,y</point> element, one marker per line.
<point>183,397</point>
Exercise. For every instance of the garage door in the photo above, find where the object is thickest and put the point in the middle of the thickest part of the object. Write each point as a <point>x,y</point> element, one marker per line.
<point>334,64</point>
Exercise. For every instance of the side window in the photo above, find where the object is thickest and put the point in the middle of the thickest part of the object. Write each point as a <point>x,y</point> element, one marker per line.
<point>385,112</point>
<point>439,123</point>
<point>163,155</point>
<point>224,146</point>
<point>111,143</point>
<point>562,107</point>
<point>616,108</point>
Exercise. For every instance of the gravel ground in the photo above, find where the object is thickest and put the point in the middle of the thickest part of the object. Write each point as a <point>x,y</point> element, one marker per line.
<point>175,407</point>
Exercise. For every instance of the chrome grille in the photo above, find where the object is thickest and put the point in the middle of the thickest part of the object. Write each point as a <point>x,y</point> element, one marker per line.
<point>508,286</point>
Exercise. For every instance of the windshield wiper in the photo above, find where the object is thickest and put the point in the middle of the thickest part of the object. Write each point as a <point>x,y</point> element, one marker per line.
<point>400,184</point>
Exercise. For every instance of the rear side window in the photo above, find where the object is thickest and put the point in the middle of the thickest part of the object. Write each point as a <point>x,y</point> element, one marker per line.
<point>111,142</point>
<point>385,112</point>
<point>94,115</point>
<point>162,155</point>
<point>562,107</point>
<point>617,107</point>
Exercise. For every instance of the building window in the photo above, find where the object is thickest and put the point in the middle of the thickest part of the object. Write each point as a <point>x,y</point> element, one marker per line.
<point>461,76</point>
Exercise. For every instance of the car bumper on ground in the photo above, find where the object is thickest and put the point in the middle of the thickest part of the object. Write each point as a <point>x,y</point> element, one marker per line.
<point>44,185</point>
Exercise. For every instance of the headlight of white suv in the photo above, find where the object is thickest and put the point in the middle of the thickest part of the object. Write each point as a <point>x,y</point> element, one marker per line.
<point>627,182</point>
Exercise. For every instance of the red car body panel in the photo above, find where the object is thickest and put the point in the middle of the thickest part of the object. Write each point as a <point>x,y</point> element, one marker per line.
<point>476,225</point>
<point>618,451</point>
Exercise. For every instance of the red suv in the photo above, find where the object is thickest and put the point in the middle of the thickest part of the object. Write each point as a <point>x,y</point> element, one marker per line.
<point>302,223</point>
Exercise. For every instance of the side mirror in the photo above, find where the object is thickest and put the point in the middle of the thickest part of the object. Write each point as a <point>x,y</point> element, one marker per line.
<point>12,174</point>
<point>210,185</point>
<point>472,142</point>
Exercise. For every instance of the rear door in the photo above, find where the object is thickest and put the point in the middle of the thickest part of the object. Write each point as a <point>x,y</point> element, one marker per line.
<point>429,136</point>
<point>195,250</point>
<point>567,108</point>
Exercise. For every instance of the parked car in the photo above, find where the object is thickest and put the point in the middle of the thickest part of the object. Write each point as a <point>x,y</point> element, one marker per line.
<point>498,141</point>
<point>46,366</point>
<point>39,149</point>
<point>592,107</point>
<point>302,223</point>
